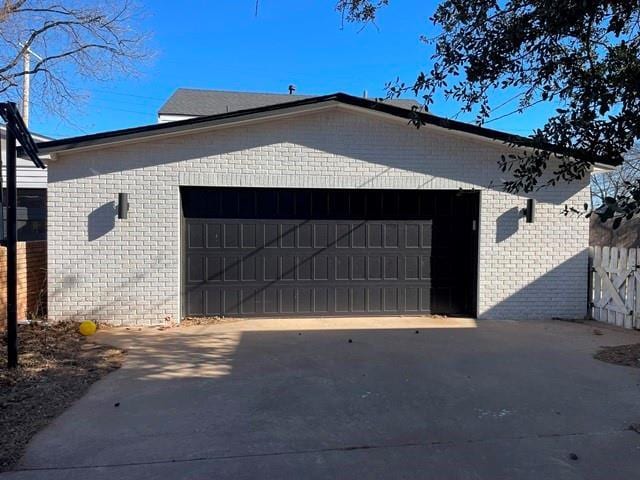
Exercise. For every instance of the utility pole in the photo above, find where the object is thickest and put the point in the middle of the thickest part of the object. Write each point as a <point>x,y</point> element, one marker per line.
<point>26,86</point>
<point>26,81</point>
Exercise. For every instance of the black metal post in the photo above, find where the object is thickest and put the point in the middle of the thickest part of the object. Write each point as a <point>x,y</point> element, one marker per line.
<point>12,278</point>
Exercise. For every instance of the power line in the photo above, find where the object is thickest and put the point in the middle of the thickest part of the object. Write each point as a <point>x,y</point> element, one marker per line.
<point>113,92</point>
<point>116,109</point>
<point>518,110</point>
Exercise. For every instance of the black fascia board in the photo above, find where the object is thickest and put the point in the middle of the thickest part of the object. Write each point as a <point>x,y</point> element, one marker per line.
<point>375,105</point>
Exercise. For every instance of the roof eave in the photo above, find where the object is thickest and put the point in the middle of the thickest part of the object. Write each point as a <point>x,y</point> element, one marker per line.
<point>296,106</point>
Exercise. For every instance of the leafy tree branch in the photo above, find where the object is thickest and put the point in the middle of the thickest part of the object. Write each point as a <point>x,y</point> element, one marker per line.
<point>580,56</point>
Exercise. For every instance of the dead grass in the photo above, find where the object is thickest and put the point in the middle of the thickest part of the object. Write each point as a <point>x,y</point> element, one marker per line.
<point>56,366</point>
<point>194,321</point>
<point>628,355</point>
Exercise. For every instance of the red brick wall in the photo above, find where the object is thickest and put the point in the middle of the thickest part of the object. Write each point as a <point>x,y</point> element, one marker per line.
<point>32,281</point>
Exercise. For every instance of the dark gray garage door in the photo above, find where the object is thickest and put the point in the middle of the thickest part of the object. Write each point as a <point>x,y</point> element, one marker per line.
<point>328,252</point>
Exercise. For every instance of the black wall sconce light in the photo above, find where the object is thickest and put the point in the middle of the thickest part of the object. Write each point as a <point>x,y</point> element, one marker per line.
<point>123,205</point>
<point>530,211</point>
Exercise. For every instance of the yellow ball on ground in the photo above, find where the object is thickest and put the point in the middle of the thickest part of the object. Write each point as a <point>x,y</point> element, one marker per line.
<point>87,328</point>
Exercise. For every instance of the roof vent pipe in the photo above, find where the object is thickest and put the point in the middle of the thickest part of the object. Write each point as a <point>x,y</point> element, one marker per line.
<point>292,89</point>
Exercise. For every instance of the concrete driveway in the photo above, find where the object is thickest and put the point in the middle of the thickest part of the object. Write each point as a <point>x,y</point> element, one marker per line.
<point>296,399</point>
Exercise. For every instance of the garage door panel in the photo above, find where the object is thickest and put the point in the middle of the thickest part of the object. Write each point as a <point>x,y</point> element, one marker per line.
<point>288,235</point>
<point>390,299</point>
<point>359,267</point>
<point>271,303</point>
<point>412,267</point>
<point>321,300</point>
<point>359,299</point>
<point>359,235</point>
<point>195,235</point>
<point>425,298</point>
<point>249,269</point>
<point>253,255</point>
<point>270,268</point>
<point>196,299</point>
<point>271,236</point>
<point>305,236</point>
<point>231,235</point>
<point>391,236</point>
<point>249,300</point>
<point>214,235</point>
<point>412,235</point>
<point>231,300</point>
<point>288,300</point>
<point>196,268</point>
<point>342,299</point>
<point>390,270</point>
<point>425,267</point>
<point>305,268</point>
<point>305,300</point>
<point>248,236</point>
<point>215,268</point>
<point>426,235</point>
<point>412,299</point>
<point>342,267</point>
<point>374,299</point>
<point>288,267</point>
<point>232,268</point>
<point>343,235</point>
<point>374,233</point>
<point>321,235</point>
<point>321,267</point>
<point>212,301</point>
<point>375,267</point>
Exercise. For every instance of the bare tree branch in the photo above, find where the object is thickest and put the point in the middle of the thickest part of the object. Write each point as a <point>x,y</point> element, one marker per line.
<point>94,39</point>
<point>619,182</point>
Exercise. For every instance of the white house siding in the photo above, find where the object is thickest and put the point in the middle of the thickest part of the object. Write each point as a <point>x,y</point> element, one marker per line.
<point>129,270</point>
<point>27,174</point>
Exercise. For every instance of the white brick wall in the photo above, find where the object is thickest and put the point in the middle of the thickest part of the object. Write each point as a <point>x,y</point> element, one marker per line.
<point>129,270</point>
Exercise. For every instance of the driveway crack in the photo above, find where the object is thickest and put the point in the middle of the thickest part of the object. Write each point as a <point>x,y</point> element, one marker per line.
<point>348,448</point>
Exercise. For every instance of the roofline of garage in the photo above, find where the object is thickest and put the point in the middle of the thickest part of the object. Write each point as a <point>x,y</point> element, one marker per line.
<point>299,106</point>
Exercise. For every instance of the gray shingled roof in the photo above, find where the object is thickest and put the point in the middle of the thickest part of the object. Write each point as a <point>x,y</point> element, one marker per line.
<point>193,102</point>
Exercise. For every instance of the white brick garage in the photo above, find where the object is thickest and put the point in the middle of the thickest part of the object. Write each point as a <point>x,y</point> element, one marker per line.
<point>129,270</point>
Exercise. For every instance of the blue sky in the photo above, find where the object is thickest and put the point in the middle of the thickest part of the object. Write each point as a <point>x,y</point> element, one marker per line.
<point>224,45</point>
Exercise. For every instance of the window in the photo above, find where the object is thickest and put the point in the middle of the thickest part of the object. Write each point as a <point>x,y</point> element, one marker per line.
<point>31,214</point>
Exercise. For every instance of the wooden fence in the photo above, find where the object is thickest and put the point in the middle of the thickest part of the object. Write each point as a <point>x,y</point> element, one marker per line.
<point>615,286</point>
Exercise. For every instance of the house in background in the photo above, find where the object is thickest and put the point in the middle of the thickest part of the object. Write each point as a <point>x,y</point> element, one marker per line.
<point>328,205</point>
<point>32,194</point>
<point>188,103</point>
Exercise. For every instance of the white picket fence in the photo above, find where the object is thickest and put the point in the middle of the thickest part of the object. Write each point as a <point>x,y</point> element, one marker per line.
<point>615,286</point>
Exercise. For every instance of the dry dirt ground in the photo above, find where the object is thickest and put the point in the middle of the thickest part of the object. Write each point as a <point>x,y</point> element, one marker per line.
<point>56,367</point>
<point>628,355</point>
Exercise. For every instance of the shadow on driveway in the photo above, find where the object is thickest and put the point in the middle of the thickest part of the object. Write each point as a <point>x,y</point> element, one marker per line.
<point>297,399</point>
